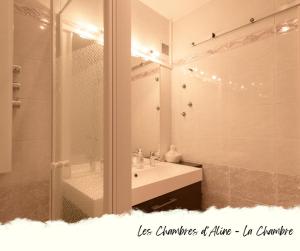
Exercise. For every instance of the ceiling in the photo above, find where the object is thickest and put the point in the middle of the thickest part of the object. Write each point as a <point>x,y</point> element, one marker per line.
<point>170,9</point>
<point>174,9</point>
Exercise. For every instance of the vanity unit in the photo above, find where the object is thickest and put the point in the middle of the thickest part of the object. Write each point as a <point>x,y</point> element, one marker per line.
<point>188,197</point>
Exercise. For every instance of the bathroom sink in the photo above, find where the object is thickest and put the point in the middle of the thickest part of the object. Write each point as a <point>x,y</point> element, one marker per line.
<point>150,182</point>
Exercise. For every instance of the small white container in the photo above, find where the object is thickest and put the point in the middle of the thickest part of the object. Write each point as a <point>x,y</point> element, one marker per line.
<point>173,156</point>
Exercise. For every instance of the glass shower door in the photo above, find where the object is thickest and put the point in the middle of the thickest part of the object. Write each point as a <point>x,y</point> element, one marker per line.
<point>77,170</point>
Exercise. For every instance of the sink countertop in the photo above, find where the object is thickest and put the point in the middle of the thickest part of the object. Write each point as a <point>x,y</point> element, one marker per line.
<point>152,182</point>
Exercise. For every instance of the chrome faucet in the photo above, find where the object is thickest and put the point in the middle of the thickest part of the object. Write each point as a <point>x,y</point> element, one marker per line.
<point>153,157</point>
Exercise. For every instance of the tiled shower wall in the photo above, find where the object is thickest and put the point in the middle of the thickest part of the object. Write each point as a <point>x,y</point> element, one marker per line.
<point>244,125</point>
<point>86,101</point>
<point>24,193</point>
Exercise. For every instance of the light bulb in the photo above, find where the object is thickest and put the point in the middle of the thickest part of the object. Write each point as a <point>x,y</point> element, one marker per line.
<point>285,28</point>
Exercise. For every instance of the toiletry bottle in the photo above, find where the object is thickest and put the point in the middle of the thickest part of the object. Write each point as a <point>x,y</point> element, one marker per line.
<point>134,159</point>
<point>140,159</point>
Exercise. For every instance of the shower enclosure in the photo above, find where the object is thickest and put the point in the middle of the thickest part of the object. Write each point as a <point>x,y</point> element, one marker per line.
<point>78,113</point>
<point>81,171</point>
<point>68,152</point>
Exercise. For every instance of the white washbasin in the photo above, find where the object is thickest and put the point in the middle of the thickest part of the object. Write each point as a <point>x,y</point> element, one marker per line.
<point>151,182</point>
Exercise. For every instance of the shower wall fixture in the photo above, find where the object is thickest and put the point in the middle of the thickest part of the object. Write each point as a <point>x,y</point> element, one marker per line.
<point>16,86</point>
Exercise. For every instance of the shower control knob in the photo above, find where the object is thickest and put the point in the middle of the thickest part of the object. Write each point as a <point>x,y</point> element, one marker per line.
<point>17,68</point>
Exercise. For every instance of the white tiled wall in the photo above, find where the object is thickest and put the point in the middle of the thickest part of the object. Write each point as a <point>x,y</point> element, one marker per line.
<point>218,16</point>
<point>25,190</point>
<point>86,97</point>
<point>245,92</point>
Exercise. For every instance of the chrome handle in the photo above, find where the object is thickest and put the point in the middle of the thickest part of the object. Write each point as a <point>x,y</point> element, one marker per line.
<point>60,164</point>
<point>156,207</point>
<point>16,85</point>
<point>16,103</point>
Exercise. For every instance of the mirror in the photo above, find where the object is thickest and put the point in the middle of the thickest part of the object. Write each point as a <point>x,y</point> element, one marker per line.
<point>145,105</point>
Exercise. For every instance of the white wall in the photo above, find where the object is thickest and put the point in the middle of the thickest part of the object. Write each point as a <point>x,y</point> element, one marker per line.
<point>218,16</point>
<point>149,29</point>
<point>235,120</point>
<point>245,93</point>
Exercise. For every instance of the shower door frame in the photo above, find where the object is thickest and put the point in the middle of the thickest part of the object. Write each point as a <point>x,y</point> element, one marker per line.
<point>117,103</point>
<point>117,106</point>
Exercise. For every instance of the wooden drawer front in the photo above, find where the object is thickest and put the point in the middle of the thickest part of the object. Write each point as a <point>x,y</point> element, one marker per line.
<point>188,197</point>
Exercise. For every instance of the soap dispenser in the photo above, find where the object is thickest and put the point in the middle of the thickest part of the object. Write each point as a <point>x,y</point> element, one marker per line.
<point>172,155</point>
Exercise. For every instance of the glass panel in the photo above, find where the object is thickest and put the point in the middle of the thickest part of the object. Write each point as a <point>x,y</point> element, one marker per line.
<point>78,168</point>
<point>24,190</point>
<point>6,52</point>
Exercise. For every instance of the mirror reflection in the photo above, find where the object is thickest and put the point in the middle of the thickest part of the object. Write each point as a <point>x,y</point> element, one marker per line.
<point>145,106</point>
